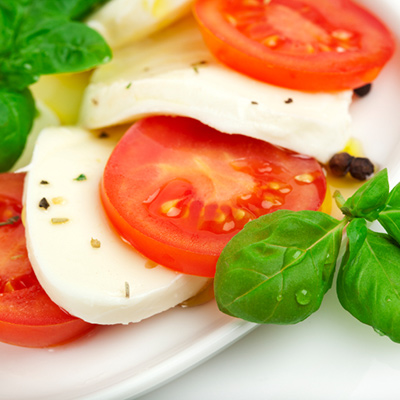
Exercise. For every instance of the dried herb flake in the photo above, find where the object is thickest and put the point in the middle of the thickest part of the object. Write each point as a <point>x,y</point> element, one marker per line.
<point>81,177</point>
<point>10,221</point>
<point>43,203</point>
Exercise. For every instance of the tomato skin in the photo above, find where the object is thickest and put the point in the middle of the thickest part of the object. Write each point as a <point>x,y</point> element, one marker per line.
<point>178,190</point>
<point>27,315</point>
<point>300,70</point>
<point>187,262</point>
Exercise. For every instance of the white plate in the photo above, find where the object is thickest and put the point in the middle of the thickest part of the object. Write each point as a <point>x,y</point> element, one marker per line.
<point>330,355</point>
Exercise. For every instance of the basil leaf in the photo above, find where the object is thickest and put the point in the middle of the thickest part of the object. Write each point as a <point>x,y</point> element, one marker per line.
<point>370,199</point>
<point>60,46</point>
<point>368,286</point>
<point>278,268</point>
<point>76,9</point>
<point>73,9</point>
<point>356,234</point>
<point>44,40</point>
<point>389,218</point>
<point>17,111</point>
<point>10,17</point>
<point>37,38</point>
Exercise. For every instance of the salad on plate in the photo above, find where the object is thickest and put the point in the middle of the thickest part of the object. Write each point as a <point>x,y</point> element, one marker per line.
<point>157,154</point>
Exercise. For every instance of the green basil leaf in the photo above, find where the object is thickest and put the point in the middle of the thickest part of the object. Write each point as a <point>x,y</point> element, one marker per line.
<point>368,286</point>
<point>17,112</point>
<point>10,18</point>
<point>370,199</point>
<point>389,218</point>
<point>356,233</point>
<point>278,268</point>
<point>61,46</point>
<point>73,9</point>
<point>42,39</point>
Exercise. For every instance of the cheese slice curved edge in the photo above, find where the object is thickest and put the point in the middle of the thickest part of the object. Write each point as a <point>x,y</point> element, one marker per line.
<point>173,73</point>
<point>109,284</point>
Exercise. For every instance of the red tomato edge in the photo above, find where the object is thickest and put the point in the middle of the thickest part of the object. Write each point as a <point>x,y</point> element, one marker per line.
<point>41,336</point>
<point>294,78</point>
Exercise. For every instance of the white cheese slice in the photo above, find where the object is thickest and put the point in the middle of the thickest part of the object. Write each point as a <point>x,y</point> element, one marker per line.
<point>174,73</point>
<point>124,21</point>
<point>106,285</point>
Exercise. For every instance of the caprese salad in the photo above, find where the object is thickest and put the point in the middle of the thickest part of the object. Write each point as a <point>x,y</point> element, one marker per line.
<point>235,112</point>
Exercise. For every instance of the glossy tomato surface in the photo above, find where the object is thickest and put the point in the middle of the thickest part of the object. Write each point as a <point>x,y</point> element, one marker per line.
<point>310,45</point>
<point>27,315</point>
<point>178,190</point>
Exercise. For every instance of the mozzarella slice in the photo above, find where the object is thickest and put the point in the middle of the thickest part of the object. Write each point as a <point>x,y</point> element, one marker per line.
<point>123,21</point>
<point>174,73</point>
<point>105,285</point>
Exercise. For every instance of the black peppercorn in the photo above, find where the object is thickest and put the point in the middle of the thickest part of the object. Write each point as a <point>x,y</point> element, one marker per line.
<point>361,168</point>
<point>43,203</point>
<point>339,164</point>
<point>363,90</point>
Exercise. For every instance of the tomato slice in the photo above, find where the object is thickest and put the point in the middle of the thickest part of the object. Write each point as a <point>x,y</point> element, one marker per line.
<point>27,315</point>
<point>310,45</point>
<point>178,190</point>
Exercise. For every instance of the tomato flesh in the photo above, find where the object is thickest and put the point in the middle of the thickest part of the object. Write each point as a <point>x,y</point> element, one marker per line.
<point>311,45</point>
<point>27,315</point>
<point>178,190</point>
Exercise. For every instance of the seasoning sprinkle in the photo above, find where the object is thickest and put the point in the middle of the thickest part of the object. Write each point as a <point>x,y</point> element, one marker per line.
<point>10,221</point>
<point>58,200</point>
<point>43,182</point>
<point>95,101</point>
<point>127,290</point>
<point>43,203</point>
<point>128,85</point>
<point>56,221</point>
<point>95,243</point>
<point>254,102</point>
<point>196,66</point>
<point>289,100</point>
<point>81,177</point>
<point>103,135</point>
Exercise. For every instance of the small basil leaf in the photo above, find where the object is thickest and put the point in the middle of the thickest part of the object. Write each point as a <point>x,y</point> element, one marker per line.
<point>389,218</point>
<point>60,46</point>
<point>37,37</point>
<point>17,111</point>
<point>278,268</point>
<point>74,9</point>
<point>49,9</point>
<point>370,199</point>
<point>356,233</point>
<point>368,286</point>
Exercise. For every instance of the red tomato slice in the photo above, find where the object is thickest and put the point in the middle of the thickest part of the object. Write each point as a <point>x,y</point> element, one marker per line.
<point>27,315</point>
<point>178,190</point>
<point>311,45</point>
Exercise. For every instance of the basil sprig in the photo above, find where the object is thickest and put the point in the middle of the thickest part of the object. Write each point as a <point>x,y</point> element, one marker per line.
<point>39,38</point>
<point>279,267</point>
